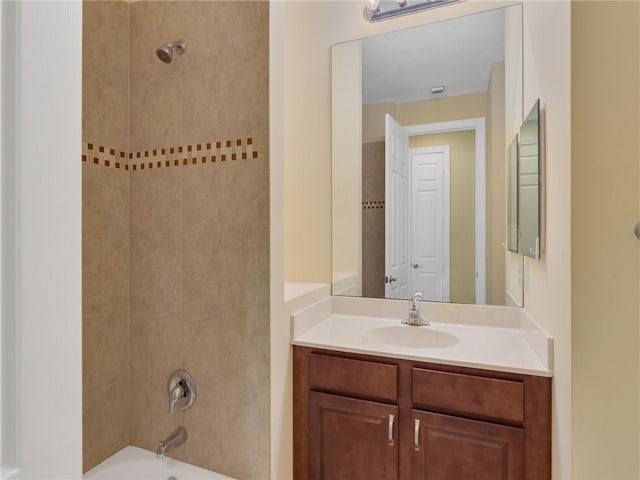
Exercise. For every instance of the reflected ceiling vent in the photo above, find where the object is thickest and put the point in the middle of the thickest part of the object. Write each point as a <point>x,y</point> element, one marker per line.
<point>376,10</point>
<point>437,89</point>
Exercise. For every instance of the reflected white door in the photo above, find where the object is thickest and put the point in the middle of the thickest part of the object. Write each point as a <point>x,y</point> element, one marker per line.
<point>396,219</point>
<point>430,222</point>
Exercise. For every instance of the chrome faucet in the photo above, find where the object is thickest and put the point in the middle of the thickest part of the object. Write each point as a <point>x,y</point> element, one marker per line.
<point>177,438</point>
<point>415,318</point>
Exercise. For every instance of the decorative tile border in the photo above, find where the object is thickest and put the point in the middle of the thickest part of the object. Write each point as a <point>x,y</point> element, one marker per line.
<point>182,155</point>
<point>101,155</point>
<point>372,205</point>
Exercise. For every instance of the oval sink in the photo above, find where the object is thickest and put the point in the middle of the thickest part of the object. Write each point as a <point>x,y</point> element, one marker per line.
<point>411,337</point>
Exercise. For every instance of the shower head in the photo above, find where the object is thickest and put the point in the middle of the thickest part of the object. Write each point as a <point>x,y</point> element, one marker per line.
<point>165,52</point>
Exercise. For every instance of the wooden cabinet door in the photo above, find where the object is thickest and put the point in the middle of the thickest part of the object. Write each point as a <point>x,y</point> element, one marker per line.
<point>352,439</point>
<point>451,448</point>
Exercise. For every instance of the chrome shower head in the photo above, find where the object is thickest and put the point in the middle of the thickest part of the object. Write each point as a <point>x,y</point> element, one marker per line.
<point>165,52</point>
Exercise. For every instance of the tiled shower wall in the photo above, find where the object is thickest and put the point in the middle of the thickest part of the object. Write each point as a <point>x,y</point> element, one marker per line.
<point>198,217</point>
<point>105,231</point>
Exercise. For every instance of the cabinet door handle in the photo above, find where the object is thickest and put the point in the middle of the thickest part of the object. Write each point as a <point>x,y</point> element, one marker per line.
<point>416,435</point>
<point>391,419</point>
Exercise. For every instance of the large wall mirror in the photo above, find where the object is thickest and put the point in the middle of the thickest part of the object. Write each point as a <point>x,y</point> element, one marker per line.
<point>419,161</point>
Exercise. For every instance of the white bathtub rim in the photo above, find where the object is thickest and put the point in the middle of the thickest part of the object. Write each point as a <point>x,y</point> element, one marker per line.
<point>134,463</point>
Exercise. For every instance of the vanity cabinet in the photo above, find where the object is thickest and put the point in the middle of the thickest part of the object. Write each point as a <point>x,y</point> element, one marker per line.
<point>365,417</point>
<point>352,438</point>
<point>448,447</point>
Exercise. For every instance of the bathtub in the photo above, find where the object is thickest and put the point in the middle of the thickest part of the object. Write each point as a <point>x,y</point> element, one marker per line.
<point>133,463</point>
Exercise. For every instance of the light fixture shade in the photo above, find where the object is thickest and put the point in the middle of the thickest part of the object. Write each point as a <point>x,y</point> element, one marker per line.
<point>371,7</point>
<point>373,12</point>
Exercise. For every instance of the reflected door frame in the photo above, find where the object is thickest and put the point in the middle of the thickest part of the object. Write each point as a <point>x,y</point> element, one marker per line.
<point>478,125</point>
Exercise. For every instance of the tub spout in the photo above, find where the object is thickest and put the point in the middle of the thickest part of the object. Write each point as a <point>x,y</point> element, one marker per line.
<point>177,438</point>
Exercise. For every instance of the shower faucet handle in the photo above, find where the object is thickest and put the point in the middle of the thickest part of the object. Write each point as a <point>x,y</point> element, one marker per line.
<point>181,390</point>
<point>175,394</point>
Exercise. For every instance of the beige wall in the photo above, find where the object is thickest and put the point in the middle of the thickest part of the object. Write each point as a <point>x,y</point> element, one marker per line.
<point>373,120</point>
<point>604,252</point>
<point>462,153</point>
<point>513,119</point>
<point>496,181</point>
<point>346,166</point>
<point>310,28</point>
<point>445,109</point>
<point>547,295</point>
<point>197,232</point>
<point>105,231</point>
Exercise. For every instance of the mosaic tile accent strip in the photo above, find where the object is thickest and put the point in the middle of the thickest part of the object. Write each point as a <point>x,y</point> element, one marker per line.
<point>372,205</point>
<point>100,155</point>
<point>220,151</point>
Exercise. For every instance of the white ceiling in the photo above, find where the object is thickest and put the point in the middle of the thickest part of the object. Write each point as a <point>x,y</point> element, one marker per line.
<point>402,66</point>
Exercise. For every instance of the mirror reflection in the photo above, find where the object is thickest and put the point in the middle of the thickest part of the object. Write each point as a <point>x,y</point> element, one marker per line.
<point>419,142</point>
<point>512,196</point>
<point>529,184</point>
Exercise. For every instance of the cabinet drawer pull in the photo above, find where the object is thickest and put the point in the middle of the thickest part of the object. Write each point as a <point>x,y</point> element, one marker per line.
<point>416,435</point>
<point>391,419</point>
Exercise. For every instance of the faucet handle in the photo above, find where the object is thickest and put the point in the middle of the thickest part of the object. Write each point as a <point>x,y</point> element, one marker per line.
<point>174,395</point>
<point>181,390</point>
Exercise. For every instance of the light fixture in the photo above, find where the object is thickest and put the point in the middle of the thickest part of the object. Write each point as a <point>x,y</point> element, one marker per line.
<point>374,13</point>
<point>437,89</point>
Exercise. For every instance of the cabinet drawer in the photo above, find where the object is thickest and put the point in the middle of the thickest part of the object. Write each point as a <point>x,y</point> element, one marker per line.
<point>357,377</point>
<point>486,397</point>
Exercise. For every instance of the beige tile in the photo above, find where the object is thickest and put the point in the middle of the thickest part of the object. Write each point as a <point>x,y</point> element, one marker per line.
<point>92,202</point>
<point>105,422</point>
<point>139,353</point>
<point>115,420</point>
<point>91,422</point>
<point>167,348</point>
<point>244,33</point>
<point>156,284</point>
<point>243,194</point>
<point>115,194</point>
<point>240,440</point>
<point>202,115</point>
<point>243,99</point>
<point>115,275</point>
<point>92,299</point>
<point>105,73</point>
<point>105,342</point>
<point>200,247</point>
<point>105,38</point>
<point>156,109</point>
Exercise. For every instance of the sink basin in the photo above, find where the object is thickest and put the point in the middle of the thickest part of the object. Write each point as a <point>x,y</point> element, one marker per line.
<point>411,337</point>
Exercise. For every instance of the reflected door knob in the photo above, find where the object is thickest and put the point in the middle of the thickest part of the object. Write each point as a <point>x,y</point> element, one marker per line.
<point>389,279</point>
<point>415,265</point>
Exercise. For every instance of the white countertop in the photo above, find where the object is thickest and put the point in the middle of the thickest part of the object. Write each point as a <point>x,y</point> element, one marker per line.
<point>505,346</point>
